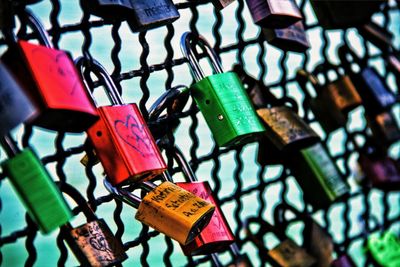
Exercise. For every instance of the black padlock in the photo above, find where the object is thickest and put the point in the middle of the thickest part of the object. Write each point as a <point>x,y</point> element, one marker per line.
<point>293,38</point>
<point>274,14</point>
<point>149,14</point>
<point>333,14</point>
<point>374,92</point>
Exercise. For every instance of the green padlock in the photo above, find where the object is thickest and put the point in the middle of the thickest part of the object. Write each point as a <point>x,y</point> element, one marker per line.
<point>37,191</point>
<point>221,97</point>
<point>384,249</point>
<point>318,176</point>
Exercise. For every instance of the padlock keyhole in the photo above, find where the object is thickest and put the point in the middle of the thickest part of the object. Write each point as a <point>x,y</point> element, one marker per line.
<point>208,101</point>
<point>99,133</point>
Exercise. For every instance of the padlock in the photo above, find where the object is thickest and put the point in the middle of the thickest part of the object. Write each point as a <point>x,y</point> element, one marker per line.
<point>384,248</point>
<point>316,240</point>
<point>380,170</point>
<point>384,128</point>
<point>221,97</point>
<point>343,261</point>
<point>340,91</point>
<point>239,260</point>
<point>287,253</point>
<point>175,99</point>
<point>121,138</point>
<point>109,9</point>
<point>333,14</point>
<point>221,4</point>
<point>285,130</point>
<point>323,106</point>
<point>93,243</point>
<point>50,79</point>
<point>318,176</point>
<point>34,187</point>
<point>15,106</point>
<point>293,38</point>
<point>149,14</point>
<point>168,209</point>
<point>274,14</point>
<point>217,236</point>
<point>377,35</point>
<point>374,92</point>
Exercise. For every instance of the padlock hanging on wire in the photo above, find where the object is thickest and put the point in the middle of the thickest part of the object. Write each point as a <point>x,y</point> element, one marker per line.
<point>220,97</point>
<point>34,187</point>
<point>93,243</point>
<point>50,79</point>
<point>121,138</point>
<point>168,209</point>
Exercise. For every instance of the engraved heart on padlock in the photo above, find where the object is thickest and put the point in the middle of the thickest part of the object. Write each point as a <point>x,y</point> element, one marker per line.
<point>58,66</point>
<point>134,135</point>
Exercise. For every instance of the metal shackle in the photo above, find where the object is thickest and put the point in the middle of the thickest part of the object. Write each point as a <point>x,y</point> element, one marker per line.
<point>77,197</point>
<point>126,196</point>
<point>185,166</point>
<point>165,100</point>
<point>101,73</point>
<point>189,41</point>
<point>35,24</point>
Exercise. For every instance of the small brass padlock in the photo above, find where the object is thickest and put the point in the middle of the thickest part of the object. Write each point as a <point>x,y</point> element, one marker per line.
<point>168,209</point>
<point>217,236</point>
<point>121,138</point>
<point>93,243</point>
<point>34,186</point>
<point>287,253</point>
<point>221,97</point>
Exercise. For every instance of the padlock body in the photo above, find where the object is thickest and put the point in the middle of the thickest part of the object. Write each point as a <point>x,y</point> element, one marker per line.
<point>15,106</point>
<point>342,93</point>
<point>221,4</point>
<point>175,212</point>
<point>380,172</point>
<point>286,130</point>
<point>217,235</point>
<point>125,146</point>
<point>375,94</point>
<point>274,14</point>
<point>149,14</point>
<point>343,261</point>
<point>37,191</point>
<point>227,109</point>
<point>50,78</point>
<point>293,38</point>
<point>318,176</point>
<point>384,128</point>
<point>109,9</point>
<point>333,14</point>
<point>288,253</point>
<point>327,114</point>
<point>94,244</point>
<point>384,249</point>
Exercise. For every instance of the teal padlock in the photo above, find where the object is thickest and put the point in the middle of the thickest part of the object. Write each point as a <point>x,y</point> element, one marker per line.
<point>37,191</point>
<point>221,97</point>
<point>318,176</point>
<point>384,249</point>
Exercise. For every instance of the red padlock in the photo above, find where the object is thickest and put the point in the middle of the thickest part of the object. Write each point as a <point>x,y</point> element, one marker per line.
<point>121,138</point>
<point>51,80</point>
<point>217,236</point>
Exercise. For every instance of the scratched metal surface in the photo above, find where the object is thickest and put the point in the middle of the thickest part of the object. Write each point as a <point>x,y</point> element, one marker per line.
<point>147,64</point>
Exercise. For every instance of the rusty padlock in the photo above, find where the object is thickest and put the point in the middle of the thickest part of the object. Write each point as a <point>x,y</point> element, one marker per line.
<point>121,138</point>
<point>169,209</point>
<point>217,236</point>
<point>285,130</point>
<point>274,14</point>
<point>380,170</point>
<point>293,38</point>
<point>316,240</point>
<point>93,243</point>
<point>287,253</point>
<point>50,79</point>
